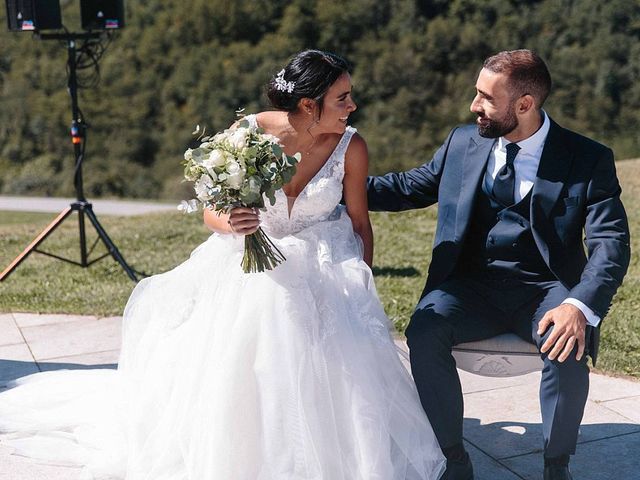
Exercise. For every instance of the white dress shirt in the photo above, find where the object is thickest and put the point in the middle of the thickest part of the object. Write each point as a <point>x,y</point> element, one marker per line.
<point>526,167</point>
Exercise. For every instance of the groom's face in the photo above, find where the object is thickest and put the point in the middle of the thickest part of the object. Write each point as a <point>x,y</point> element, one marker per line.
<point>494,105</point>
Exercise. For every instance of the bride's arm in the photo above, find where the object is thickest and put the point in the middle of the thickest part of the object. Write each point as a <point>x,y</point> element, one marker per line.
<point>241,221</point>
<point>355,193</point>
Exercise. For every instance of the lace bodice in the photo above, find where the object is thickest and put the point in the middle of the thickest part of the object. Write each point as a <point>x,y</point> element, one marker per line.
<point>317,201</point>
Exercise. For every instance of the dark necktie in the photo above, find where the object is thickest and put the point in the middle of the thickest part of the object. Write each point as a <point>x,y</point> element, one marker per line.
<point>504,183</point>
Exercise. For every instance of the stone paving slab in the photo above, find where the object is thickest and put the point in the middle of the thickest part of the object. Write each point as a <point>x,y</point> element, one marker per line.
<point>607,459</point>
<point>487,468</point>
<point>38,319</point>
<point>627,407</point>
<point>511,419</point>
<point>73,338</point>
<point>9,332</point>
<point>603,388</point>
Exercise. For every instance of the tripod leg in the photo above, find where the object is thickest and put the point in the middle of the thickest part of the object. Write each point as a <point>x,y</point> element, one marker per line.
<point>37,241</point>
<point>109,244</point>
<point>83,238</point>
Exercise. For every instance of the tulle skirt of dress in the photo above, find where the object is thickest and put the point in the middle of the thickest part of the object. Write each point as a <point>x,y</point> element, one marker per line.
<point>285,375</point>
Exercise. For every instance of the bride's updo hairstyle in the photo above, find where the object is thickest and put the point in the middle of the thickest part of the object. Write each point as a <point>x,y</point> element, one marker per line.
<point>308,75</point>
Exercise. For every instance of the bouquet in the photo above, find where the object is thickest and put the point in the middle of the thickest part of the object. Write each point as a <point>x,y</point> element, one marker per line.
<point>238,168</point>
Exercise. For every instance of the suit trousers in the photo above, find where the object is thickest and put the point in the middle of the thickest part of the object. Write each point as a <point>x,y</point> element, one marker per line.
<point>475,307</point>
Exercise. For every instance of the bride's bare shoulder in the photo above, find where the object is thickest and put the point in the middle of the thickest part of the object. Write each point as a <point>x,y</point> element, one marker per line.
<point>270,120</point>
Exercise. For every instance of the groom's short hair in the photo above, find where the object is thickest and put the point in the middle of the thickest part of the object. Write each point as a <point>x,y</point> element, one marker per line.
<point>527,73</point>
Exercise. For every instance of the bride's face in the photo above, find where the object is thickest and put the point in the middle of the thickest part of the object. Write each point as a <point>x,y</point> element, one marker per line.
<point>337,106</point>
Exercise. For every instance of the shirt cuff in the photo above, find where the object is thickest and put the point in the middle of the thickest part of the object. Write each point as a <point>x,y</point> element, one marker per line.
<point>592,318</point>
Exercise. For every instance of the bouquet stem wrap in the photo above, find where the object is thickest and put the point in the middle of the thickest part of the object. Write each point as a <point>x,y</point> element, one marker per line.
<point>260,253</point>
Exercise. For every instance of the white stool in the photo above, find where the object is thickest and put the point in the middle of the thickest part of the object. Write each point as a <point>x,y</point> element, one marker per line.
<point>505,355</point>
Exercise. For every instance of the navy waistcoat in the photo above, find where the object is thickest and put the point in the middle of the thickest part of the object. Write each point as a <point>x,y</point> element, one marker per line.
<point>499,242</point>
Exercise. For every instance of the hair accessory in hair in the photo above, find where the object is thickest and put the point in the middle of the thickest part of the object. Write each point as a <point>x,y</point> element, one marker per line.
<point>282,84</point>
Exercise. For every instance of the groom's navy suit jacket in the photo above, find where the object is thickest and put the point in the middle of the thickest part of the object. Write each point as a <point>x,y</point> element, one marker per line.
<point>575,192</point>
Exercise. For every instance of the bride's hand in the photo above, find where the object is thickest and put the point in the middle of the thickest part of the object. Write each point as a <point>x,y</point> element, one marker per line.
<point>243,220</point>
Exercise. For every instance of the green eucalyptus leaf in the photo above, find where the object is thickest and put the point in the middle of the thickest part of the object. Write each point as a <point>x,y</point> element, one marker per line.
<point>271,195</point>
<point>277,150</point>
<point>287,175</point>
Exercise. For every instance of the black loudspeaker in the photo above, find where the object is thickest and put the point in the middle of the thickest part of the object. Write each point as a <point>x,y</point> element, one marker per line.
<point>29,15</point>
<point>102,14</point>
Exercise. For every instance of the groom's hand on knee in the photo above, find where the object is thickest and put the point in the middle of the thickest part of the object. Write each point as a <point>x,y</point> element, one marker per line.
<point>569,326</point>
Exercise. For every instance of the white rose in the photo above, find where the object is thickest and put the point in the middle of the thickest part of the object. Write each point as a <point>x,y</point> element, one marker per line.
<point>202,186</point>
<point>188,154</point>
<point>236,175</point>
<point>238,138</point>
<point>216,158</point>
<point>233,167</point>
<point>235,181</point>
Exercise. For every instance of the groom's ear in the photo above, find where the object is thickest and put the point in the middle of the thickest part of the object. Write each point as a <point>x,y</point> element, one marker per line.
<point>525,104</point>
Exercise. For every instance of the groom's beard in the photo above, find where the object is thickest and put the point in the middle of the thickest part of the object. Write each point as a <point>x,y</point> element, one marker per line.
<point>492,128</point>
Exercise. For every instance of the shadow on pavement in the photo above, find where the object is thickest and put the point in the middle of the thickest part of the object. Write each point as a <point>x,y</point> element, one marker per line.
<point>518,446</point>
<point>13,369</point>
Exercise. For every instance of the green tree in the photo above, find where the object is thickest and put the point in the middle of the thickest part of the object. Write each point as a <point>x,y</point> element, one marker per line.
<point>178,64</point>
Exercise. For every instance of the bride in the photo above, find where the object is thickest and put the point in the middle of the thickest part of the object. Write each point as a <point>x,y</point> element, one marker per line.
<point>289,374</point>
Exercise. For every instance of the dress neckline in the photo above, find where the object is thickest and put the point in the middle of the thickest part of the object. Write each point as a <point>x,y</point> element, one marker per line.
<point>291,199</point>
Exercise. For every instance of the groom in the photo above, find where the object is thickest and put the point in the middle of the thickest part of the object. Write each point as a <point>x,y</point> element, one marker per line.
<point>515,193</point>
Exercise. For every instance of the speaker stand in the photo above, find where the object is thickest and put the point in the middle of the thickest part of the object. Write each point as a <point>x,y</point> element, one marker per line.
<point>81,205</point>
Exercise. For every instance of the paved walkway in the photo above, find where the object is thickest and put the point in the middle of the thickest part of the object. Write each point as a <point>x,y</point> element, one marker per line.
<point>502,419</point>
<point>100,207</point>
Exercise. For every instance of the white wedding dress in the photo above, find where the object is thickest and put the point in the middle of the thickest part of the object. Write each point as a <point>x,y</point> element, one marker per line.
<point>289,374</point>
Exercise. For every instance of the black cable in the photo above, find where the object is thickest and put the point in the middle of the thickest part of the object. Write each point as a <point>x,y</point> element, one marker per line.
<point>88,58</point>
<point>89,54</point>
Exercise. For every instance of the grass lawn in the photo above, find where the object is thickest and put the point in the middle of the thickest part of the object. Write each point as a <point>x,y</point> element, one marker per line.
<point>155,243</point>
